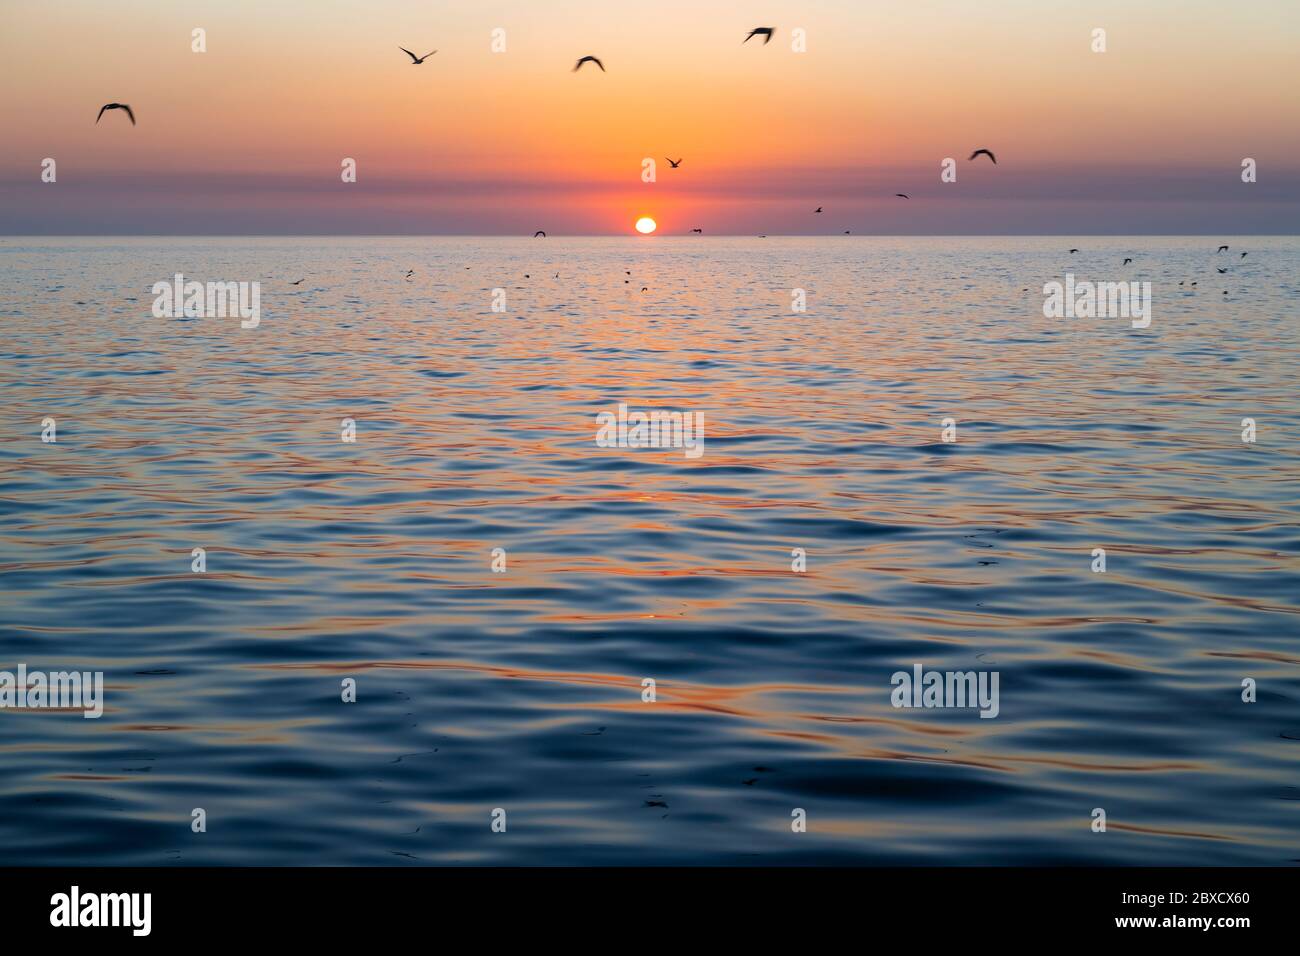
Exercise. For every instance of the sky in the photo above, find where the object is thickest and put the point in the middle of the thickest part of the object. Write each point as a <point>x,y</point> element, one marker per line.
<point>249,136</point>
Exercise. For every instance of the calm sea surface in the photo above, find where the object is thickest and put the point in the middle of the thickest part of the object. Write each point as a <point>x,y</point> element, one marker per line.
<point>522,690</point>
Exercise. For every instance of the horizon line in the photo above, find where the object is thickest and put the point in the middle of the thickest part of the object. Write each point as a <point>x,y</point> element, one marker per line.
<point>637,236</point>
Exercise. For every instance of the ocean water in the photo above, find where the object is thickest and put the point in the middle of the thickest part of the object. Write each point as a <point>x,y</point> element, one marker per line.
<point>522,690</point>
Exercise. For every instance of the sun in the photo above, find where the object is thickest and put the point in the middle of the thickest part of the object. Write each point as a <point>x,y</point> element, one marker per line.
<point>645,225</point>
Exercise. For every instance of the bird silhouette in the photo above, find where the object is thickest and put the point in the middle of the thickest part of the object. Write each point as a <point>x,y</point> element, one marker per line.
<point>1127,261</point>
<point>676,164</point>
<point>539,232</point>
<point>1073,251</point>
<point>1243,255</point>
<point>416,60</point>
<point>588,59</point>
<point>698,231</point>
<point>115,106</point>
<point>902,195</point>
<point>984,152</point>
<point>299,282</point>
<point>1223,248</point>
<point>818,209</point>
<point>764,32</point>
<point>1222,271</point>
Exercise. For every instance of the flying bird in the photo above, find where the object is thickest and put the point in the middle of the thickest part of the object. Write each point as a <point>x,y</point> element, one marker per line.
<point>698,231</point>
<point>902,195</point>
<point>299,282</point>
<point>1222,271</point>
<point>539,232</point>
<point>1073,251</point>
<point>984,152</point>
<point>846,232</point>
<point>1223,248</point>
<point>409,273</point>
<point>764,32</point>
<point>115,106</point>
<point>676,164</point>
<point>416,60</point>
<point>1127,261</point>
<point>1243,255</point>
<point>818,209</point>
<point>588,59</point>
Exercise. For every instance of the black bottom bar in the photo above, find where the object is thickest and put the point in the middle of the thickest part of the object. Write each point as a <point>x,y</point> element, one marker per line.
<point>743,906</point>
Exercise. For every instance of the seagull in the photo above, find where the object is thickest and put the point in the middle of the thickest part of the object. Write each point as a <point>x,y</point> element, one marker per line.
<point>588,59</point>
<point>676,164</point>
<point>299,282</point>
<point>1127,261</point>
<point>409,273</point>
<point>698,231</point>
<point>416,60</point>
<point>846,232</point>
<point>1223,248</point>
<point>902,195</point>
<point>818,209</point>
<point>1243,255</point>
<point>764,32</point>
<point>115,106</point>
<point>986,153</point>
<point>1073,251</point>
<point>1222,271</point>
<point>539,232</point>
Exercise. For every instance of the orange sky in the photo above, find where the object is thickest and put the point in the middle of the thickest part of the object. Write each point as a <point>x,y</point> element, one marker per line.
<point>479,141</point>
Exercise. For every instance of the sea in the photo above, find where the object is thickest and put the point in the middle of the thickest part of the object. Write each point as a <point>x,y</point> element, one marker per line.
<point>365,589</point>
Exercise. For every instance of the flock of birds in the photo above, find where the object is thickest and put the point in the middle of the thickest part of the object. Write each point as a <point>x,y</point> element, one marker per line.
<point>766,33</point>
<point>1128,260</point>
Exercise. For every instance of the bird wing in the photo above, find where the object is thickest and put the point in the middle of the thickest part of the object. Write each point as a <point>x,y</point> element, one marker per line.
<point>599,64</point>
<point>429,54</point>
<point>101,112</point>
<point>128,112</point>
<point>408,53</point>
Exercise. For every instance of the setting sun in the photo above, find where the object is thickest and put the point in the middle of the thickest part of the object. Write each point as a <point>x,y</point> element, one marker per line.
<point>645,225</point>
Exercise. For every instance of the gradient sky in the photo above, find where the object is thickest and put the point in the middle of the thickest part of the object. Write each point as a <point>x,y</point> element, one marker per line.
<point>247,138</point>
